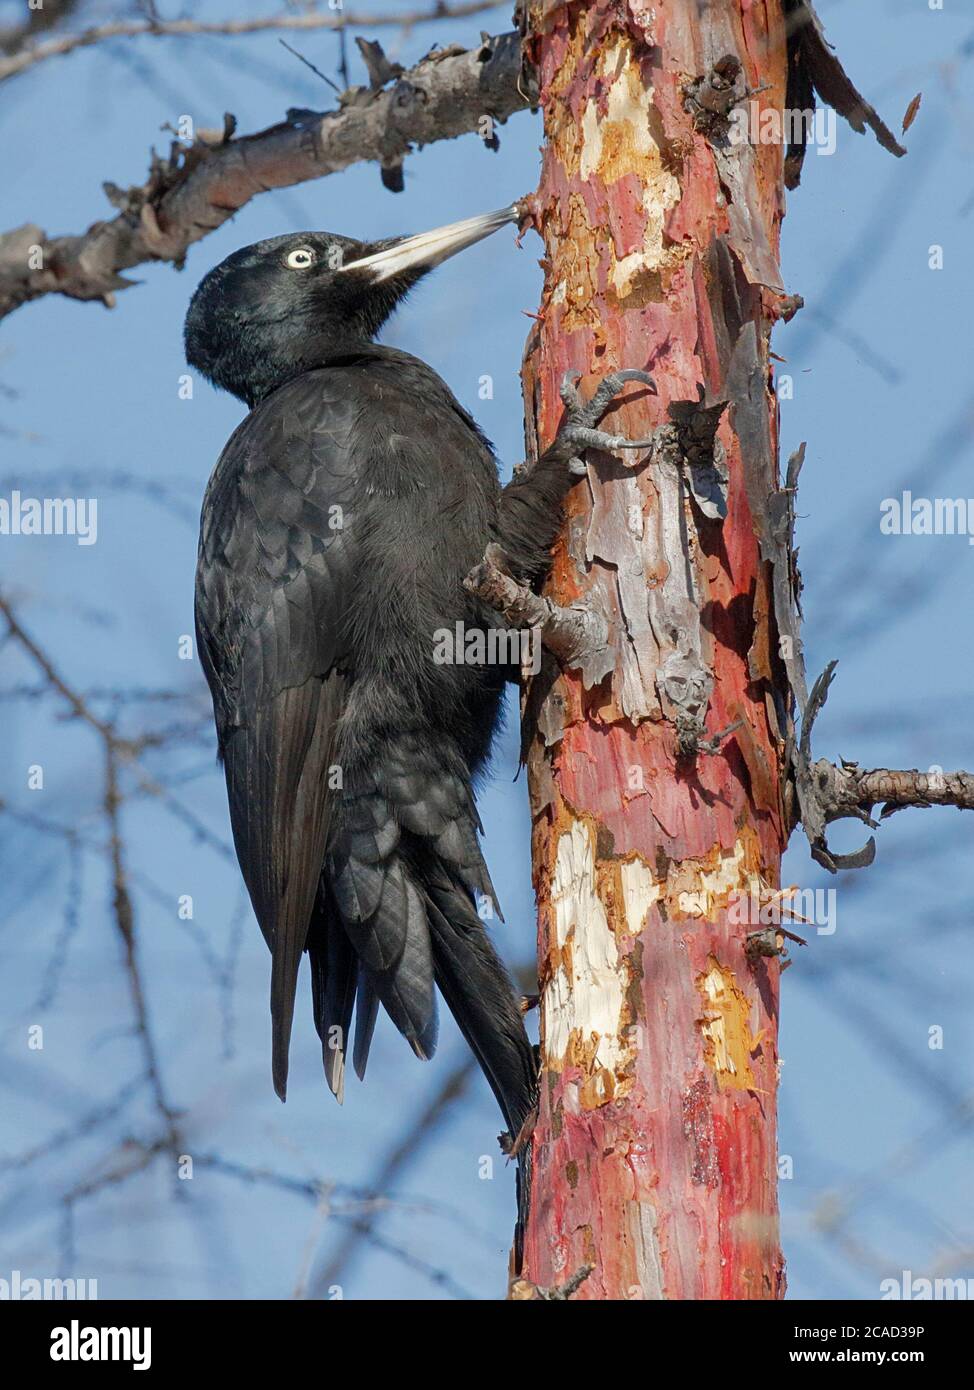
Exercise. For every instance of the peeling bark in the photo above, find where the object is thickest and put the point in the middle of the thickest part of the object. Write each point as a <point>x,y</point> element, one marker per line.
<point>655,1157</point>
<point>815,70</point>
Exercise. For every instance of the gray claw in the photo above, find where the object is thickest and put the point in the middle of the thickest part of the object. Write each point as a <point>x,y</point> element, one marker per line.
<point>609,388</point>
<point>584,438</point>
<point>579,433</point>
<point>569,391</point>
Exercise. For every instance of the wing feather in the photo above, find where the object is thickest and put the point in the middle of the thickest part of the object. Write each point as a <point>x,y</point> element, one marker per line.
<point>272,585</point>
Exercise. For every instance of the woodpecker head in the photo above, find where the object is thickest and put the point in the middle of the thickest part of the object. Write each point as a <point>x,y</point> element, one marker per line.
<point>281,307</point>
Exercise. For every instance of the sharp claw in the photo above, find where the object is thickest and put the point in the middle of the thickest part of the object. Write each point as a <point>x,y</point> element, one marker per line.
<point>568,390</point>
<point>610,388</point>
<point>580,436</point>
<point>634,374</point>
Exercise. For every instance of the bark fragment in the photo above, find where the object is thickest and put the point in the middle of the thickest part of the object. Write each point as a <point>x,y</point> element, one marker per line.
<point>815,69</point>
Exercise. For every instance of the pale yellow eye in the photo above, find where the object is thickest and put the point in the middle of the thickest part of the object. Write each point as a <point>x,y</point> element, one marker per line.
<point>300,258</point>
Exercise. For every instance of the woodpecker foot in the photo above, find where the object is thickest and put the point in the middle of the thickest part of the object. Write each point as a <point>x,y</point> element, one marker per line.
<point>578,432</point>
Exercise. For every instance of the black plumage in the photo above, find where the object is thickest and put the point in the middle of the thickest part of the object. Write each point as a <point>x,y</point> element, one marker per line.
<point>337,529</point>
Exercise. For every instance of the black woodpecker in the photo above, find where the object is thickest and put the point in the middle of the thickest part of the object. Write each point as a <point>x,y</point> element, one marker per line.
<point>337,529</point>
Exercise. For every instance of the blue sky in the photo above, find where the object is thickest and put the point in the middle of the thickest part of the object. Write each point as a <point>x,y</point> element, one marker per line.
<point>873,1118</point>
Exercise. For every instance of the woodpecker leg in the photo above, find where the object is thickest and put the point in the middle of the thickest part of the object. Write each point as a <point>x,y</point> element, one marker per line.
<point>530,509</point>
<point>578,431</point>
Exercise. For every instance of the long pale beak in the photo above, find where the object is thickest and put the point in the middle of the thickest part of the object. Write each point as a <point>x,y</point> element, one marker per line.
<point>430,248</point>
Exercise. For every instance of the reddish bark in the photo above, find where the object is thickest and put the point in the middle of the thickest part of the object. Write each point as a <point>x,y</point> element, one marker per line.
<point>655,1152</point>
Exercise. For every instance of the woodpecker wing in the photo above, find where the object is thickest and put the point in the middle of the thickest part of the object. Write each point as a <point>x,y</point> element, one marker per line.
<point>300,638</point>
<point>272,578</point>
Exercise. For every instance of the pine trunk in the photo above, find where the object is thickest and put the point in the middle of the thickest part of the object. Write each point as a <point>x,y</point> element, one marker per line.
<point>655,1150</point>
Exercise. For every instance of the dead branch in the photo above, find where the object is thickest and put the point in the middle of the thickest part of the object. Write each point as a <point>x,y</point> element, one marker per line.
<point>829,792</point>
<point>198,187</point>
<point>850,789</point>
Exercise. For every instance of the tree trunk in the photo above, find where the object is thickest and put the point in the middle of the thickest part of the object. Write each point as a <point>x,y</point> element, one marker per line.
<point>655,1149</point>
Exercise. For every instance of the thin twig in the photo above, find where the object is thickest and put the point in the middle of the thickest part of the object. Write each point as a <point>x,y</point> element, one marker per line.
<point>29,57</point>
<point>402,1154</point>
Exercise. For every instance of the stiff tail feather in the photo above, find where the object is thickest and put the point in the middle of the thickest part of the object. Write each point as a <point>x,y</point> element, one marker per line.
<point>479,994</point>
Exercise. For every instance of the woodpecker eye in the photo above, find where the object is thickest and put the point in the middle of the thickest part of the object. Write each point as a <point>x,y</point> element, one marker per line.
<point>300,258</point>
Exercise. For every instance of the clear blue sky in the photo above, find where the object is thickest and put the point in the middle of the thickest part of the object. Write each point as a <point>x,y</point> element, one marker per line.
<point>871,1116</point>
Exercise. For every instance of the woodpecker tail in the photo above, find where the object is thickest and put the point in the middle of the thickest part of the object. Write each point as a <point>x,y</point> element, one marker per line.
<point>478,991</point>
<point>402,873</point>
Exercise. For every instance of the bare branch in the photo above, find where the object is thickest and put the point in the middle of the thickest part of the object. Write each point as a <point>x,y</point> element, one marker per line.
<point>403,1153</point>
<point>116,750</point>
<point>124,915</point>
<point>829,792</point>
<point>200,186</point>
<point>25,58</point>
<point>78,706</point>
<point>849,788</point>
